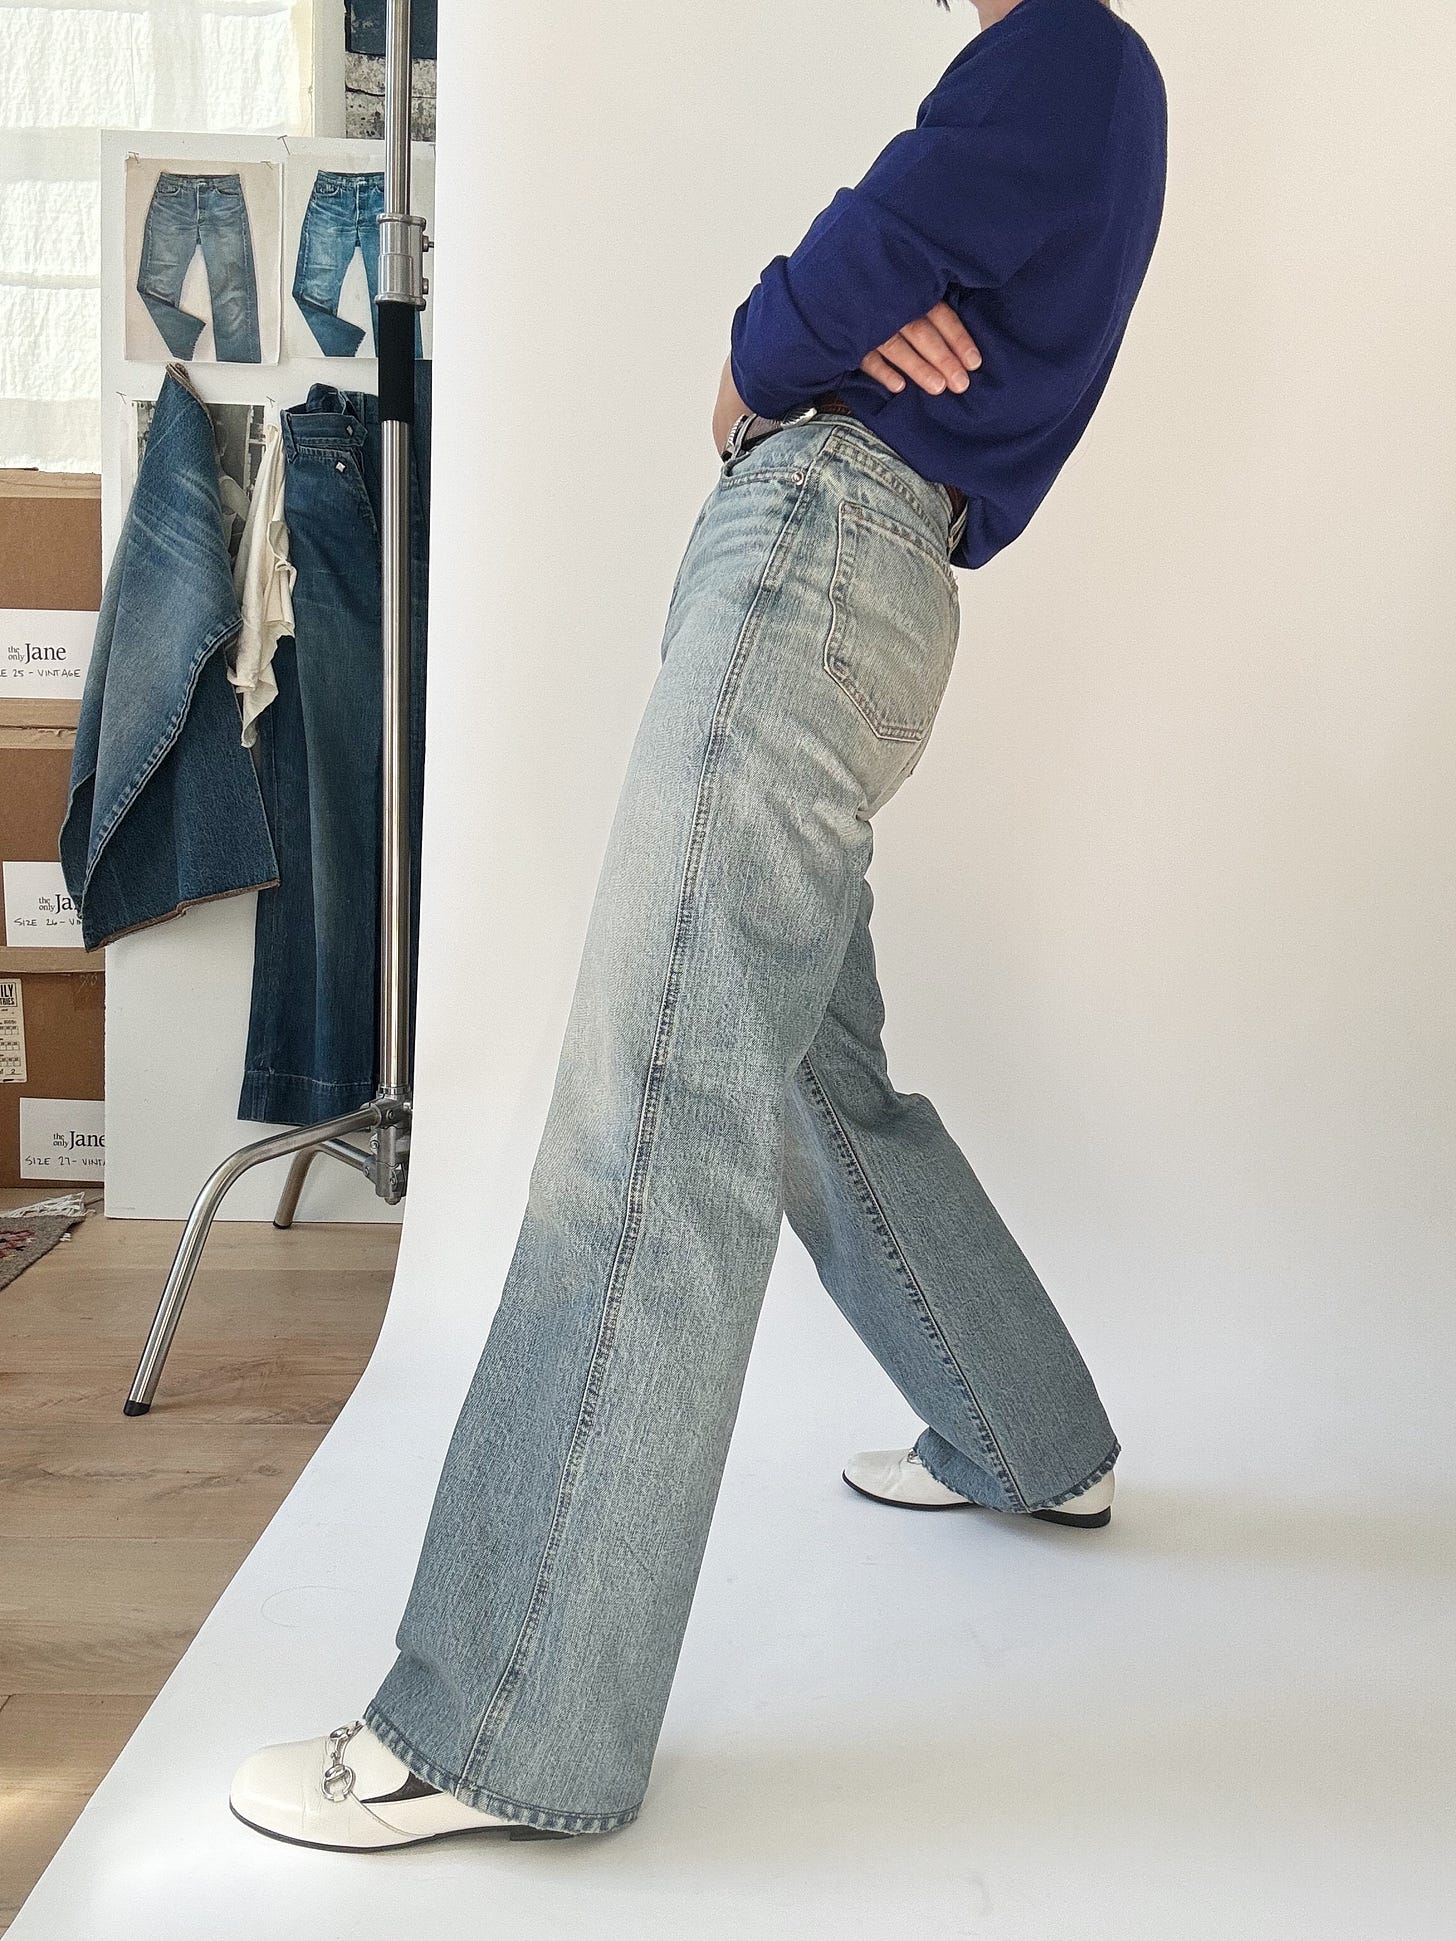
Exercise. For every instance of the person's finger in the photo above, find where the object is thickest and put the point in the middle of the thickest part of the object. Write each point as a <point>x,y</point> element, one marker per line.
<point>900,352</point>
<point>927,340</point>
<point>955,334</point>
<point>879,368</point>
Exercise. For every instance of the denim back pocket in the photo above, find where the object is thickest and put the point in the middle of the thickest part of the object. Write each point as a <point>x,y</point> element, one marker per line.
<point>895,616</point>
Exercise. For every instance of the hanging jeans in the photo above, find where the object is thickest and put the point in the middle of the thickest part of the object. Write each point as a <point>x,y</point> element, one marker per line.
<point>163,806</point>
<point>722,1064</point>
<point>185,212</point>
<point>342,216</point>
<point>312,1047</point>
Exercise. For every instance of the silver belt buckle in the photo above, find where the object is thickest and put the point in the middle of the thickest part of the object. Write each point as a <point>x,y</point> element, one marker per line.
<point>738,437</point>
<point>958,527</point>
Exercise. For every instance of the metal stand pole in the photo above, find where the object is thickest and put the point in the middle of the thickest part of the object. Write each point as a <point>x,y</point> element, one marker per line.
<point>401,293</point>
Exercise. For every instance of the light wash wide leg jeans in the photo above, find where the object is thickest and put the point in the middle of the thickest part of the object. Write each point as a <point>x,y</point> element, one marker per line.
<point>722,1065</point>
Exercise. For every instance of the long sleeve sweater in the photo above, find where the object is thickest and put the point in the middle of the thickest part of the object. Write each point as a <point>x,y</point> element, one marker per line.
<point>1028,196</point>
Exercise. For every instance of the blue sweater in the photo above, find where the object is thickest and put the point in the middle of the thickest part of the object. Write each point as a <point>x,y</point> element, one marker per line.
<point>1028,195</point>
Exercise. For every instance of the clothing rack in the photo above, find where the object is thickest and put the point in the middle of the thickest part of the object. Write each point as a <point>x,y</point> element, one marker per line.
<point>386,1118</point>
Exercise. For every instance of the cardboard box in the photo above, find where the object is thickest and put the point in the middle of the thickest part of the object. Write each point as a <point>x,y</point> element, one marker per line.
<point>52,1026</point>
<point>51,551</point>
<point>52,993</point>
<point>50,590</point>
<point>36,913</point>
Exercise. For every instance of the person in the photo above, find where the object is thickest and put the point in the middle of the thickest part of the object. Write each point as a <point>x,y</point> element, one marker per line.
<point>900,391</point>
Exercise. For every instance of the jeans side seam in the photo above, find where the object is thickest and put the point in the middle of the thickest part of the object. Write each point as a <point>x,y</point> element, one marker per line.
<point>255,335</point>
<point>860,1180</point>
<point>634,1211</point>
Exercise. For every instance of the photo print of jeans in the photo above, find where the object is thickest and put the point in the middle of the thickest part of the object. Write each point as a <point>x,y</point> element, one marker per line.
<point>312,1044</point>
<point>188,212</point>
<point>342,216</point>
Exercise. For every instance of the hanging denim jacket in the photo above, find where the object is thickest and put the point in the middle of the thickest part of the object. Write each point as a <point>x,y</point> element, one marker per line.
<point>163,807</point>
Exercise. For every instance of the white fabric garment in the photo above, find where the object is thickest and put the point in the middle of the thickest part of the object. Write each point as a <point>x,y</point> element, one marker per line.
<point>263,577</point>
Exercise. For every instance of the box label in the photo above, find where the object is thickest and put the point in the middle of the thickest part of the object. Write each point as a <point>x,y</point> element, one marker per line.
<point>12,1032</point>
<point>62,1139</point>
<point>44,652</point>
<point>39,909</point>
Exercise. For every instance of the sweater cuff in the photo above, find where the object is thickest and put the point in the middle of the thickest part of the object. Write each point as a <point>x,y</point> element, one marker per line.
<point>756,391</point>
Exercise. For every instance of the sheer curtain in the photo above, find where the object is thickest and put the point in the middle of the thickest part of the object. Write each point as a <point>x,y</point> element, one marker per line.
<point>66,71</point>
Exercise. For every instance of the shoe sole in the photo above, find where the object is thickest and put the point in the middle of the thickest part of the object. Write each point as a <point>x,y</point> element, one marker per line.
<point>1098,1520</point>
<point>512,1831</point>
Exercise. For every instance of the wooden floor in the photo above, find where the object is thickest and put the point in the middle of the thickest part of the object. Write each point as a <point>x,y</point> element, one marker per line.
<point>117,1535</point>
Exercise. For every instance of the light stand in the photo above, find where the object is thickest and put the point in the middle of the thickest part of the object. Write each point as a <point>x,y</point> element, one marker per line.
<point>401,293</point>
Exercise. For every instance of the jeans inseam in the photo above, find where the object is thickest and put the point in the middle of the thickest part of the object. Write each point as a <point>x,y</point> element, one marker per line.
<point>860,1180</point>
<point>626,1252</point>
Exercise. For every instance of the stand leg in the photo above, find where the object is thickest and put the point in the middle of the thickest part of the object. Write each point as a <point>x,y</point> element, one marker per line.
<point>293,1186</point>
<point>366,1163</point>
<point>199,1221</point>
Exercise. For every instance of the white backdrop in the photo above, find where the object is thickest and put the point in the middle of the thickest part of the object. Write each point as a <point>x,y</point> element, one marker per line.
<point>1165,926</point>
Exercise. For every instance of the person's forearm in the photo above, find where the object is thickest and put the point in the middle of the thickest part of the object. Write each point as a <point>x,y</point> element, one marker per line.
<point>934,352</point>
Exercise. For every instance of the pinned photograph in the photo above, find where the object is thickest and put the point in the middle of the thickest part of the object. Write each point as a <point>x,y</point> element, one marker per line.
<point>333,198</point>
<point>202,254</point>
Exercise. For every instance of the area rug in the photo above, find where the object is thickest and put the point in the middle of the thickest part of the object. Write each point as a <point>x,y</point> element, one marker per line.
<point>28,1232</point>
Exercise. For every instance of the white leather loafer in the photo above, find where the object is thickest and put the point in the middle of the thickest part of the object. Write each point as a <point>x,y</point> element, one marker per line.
<point>347,1792</point>
<point>898,1476</point>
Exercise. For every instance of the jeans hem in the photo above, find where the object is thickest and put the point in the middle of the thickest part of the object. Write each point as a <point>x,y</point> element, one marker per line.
<point>1046,1503</point>
<point>288,1098</point>
<point>1008,1508</point>
<point>548,1819</point>
<point>1094,1476</point>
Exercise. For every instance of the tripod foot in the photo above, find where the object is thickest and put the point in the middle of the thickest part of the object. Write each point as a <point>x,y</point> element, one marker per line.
<point>293,1187</point>
<point>299,1144</point>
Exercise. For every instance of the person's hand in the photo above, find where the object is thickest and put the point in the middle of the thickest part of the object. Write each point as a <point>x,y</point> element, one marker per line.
<point>933,351</point>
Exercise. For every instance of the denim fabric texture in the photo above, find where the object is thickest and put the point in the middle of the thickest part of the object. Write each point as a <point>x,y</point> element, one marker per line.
<point>163,806</point>
<point>722,1066</point>
<point>207,211</point>
<point>342,216</point>
<point>312,1042</point>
